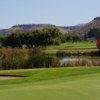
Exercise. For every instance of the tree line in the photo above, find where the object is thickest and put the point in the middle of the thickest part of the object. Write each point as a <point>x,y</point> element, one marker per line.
<point>44,37</point>
<point>94,32</point>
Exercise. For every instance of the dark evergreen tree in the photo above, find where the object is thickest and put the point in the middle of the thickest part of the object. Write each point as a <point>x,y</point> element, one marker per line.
<point>14,39</point>
<point>94,33</point>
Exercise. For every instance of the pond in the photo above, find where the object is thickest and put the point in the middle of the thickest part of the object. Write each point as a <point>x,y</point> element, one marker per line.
<point>74,59</point>
<point>77,59</point>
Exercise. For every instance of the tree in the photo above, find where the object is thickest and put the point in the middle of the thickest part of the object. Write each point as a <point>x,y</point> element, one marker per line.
<point>62,37</point>
<point>94,33</point>
<point>14,39</point>
<point>68,37</point>
<point>5,41</point>
<point>44,37</point>
<point>54,31</point>
<point>72,37</point>
<point>29,39</point>
<point>37,37</point>
<point>56,41</point>
<point>50,36</point>
<point>1,38</point>
<point>85,37</point>
<point>76,37</point>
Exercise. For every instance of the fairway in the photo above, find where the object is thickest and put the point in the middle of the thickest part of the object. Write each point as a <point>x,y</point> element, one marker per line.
<point>76,45</point>
<point>47,84</point>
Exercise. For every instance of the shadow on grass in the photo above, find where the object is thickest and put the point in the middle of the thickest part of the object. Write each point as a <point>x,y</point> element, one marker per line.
<point>92,53</point>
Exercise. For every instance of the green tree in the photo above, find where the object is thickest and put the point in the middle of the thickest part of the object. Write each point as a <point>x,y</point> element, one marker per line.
<point>54,31</point>
<point>94,33</point>
<point>62,37</point>
<point>29,39</point>
<point>68,37</point>
<point>14,39</point>
<point>50,36</point>
<point>76,37</point>
<point>1,38</point>
<point>85,37</point>
<point>37,37</point>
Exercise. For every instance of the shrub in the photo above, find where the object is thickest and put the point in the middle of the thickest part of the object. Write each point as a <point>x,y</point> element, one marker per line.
<point>79,62</point>
<point>94,63</point>
<point>40,61</point>
<point>13,58</point>
<point>84,62</point>
<point>60,53</point>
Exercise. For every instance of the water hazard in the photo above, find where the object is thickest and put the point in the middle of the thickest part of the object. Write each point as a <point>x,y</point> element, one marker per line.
<point>66,59</point>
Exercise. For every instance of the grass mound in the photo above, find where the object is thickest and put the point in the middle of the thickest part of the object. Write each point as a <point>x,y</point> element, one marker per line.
<point>46,74</point>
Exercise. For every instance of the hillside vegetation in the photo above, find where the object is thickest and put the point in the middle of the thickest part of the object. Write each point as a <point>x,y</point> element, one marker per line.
<point>86,28</point>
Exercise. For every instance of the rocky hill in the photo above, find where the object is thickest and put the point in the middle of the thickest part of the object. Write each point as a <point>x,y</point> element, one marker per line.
<point>3,30</point>
<point>31,27</point>
<point>86,28</point>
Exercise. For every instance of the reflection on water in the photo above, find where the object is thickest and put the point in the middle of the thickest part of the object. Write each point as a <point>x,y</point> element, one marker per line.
<point>74,59</point>
<point>64,59</point>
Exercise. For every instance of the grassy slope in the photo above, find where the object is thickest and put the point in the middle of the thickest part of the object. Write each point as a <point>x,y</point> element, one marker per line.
<point>52,84</point>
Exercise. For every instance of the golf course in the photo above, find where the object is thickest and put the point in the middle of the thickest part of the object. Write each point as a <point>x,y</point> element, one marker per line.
<point>80,83</point>
<point>72,47</point>
<point>41,83</point>
<point>50,50</point>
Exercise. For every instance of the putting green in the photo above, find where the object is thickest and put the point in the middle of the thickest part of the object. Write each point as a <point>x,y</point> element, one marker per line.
<point>81,87</point>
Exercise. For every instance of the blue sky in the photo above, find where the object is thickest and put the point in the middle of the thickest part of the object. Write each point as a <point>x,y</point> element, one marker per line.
<point>56,12</point>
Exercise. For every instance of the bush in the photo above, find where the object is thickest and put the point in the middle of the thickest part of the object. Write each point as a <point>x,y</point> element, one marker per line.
<point>23,58</point>
<point>79,62</point>
<point>13,58</point>
<point>60,53</point>
<point>40,60</point>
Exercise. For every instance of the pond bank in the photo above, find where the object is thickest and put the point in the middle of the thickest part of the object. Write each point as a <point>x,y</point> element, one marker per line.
<point>78,53</point>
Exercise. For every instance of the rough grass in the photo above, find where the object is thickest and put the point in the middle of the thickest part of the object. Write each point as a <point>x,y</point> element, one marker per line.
<point>52,84</point>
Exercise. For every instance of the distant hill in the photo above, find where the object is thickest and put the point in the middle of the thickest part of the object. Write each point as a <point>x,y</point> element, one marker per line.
<point>3,30</point>
<point>69,28</point>
<point>79,25</point>
<point>31,27</point>
<point>26,28</point>
<point>86,28</point>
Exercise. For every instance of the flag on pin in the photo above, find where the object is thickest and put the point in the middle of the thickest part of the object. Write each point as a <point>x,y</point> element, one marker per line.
<point>98,43</point>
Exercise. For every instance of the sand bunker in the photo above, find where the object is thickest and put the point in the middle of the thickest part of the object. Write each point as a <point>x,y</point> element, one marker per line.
<point>8,77</point>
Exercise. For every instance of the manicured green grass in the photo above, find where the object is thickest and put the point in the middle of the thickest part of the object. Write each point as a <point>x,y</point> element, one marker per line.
<point>76,45</point>
<point>73,47</point>
<point>52,84</point>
